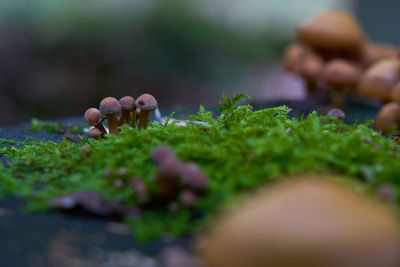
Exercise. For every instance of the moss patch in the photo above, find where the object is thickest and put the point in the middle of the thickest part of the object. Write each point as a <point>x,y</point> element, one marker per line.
<point>239,150</point>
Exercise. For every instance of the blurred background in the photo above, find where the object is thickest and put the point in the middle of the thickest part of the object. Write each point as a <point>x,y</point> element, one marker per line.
<point>58,58</point>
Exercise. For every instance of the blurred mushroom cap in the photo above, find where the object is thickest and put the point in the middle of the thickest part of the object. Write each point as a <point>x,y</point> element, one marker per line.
<point>146,102</point>
<point>379,79</point>
<point>373,53</point>
<point>110,106</point>
<point>332,30</point>
<point>309,222</point>
<point>292,57</point>
<point>339,73</point>
<point>388,116</point>
<point>395,94</point>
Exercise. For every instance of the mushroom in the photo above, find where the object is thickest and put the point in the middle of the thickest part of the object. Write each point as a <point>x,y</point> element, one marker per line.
<point>93,117</point>
<point>147,103</point>
<point>388,116</point>
<point>304,62</point>
<point>379,79</point>
<point>127,106</point>
<point>373,53</point>
<point>341,77</point>
<point>95,133</point>
<point>161,153</point>
<point>334,33</point>
<point>193,177</point>
<point>336,112</point>
<point>395,94</point>
<point>292,58</point>
<point>110,107</point>
<point>307,222</point>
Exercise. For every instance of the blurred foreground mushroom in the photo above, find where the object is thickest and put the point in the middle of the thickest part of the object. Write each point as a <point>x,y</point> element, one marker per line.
<point>110,107</point>
<point>388,117</point>
<point>147,103</point>
<point>310,222</point>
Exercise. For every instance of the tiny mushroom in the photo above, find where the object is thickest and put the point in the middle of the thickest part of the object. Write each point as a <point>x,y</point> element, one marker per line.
<point>94,118</point>
<point>147,103</point>
<point>306,222</point>
<point>388,117</point>
<point>379,79</point>
<point>337,112</point>
<point>95,133</point>
<point>341,77</point>
<point>128,106</point>
<point>110,107</point>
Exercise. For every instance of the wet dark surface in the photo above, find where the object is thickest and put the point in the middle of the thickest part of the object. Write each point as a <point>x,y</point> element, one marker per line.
<point>61,239</point>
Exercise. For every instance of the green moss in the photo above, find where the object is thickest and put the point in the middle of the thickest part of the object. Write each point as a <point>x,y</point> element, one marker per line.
<point>54,127</point>
<point>240,149</point>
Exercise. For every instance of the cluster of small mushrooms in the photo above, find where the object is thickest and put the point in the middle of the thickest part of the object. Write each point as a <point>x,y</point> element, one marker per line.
<point>332,54</point>
<point>125,111</point>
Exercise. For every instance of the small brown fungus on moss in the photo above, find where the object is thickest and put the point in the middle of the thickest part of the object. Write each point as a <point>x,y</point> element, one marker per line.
<point>147,103</point>
<point>94,118</point>
<point>128,106</point>
<point>95,133</point>
<point>110,107</point>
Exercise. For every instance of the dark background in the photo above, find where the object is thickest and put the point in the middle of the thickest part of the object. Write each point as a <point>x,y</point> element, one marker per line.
<point>58,58</point>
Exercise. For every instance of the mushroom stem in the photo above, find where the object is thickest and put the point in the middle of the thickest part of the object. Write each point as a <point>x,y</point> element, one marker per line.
<point>100,126</point>
<point>137,116</point>
<point>124,119</point>
<point>113,124</point>
<point>339,99</point>
<point>144,119</point>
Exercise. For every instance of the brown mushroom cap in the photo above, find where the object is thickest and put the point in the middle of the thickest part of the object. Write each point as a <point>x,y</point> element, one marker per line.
<point>373,53</point>
<point>379,79</point>
<point>127,103</point>
<point>388,117</point>
<point>93,116</point>
<point>110,106</point>
<point>340,74</point>
<point>146,102</point>
<point>95,133</point>
<point>332,30</point>
<point>308,223</point>
<point>395,94</point>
